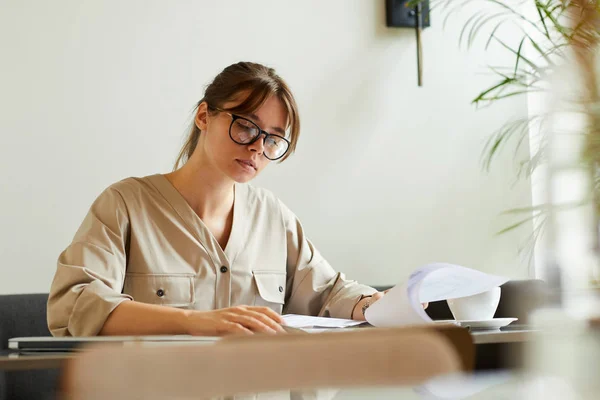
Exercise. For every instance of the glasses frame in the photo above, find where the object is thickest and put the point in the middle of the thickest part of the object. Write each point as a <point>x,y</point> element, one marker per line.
<point>261,132</point>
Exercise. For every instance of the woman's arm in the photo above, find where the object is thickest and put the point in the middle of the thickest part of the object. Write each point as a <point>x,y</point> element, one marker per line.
<point>358,313</point>
<point>314,287</point>
<point>86,296</point>
<point>363,304</point>
<point>135,318</point>
<point>90,272</point>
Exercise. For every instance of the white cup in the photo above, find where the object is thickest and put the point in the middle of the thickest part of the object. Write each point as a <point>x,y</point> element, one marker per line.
<point>478,307</point>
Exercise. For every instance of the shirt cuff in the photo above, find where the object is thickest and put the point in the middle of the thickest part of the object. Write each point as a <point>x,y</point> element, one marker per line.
<point>345,296</point>
<point>92,308</point>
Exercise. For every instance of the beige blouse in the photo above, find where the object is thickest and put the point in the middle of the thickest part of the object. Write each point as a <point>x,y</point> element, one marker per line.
<point>142,241</point>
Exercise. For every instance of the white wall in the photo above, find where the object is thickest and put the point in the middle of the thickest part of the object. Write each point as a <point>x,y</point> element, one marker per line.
<point>386,175</point>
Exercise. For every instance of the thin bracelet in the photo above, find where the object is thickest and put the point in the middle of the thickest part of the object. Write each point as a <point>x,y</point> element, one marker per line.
<point>366,305</point>
<point>362,297</point>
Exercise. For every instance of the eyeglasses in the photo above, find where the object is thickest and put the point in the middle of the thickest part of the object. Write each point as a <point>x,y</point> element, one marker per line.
<point>243,131</point>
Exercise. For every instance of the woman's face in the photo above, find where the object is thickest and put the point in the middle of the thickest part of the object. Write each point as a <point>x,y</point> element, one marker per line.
<point>239,162</point>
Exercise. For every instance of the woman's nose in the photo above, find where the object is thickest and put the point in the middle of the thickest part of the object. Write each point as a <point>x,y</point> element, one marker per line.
<point>259,145</point>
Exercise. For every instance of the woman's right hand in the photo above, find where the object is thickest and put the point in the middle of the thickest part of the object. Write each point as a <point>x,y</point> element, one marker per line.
<point>234,320</point>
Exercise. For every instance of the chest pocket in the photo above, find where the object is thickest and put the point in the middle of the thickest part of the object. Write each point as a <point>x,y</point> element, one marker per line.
<point>270,289</point>
<point>173,290</point>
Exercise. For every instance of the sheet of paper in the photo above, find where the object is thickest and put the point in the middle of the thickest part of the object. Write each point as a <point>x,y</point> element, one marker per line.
<point>432,282</point>
<point>448,281</point>
<point>305,321</point>
<point>400,306</point>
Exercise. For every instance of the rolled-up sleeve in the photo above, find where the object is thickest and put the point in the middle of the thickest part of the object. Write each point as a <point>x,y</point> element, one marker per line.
<point>90,273</point>
<point>313,286</point>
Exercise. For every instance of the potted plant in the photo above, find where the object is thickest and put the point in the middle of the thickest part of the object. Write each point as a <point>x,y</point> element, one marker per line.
<point>554,34</point>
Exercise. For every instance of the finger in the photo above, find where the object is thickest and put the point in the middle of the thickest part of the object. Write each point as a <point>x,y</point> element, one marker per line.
<point>262,310</point>
<point>232,328</point>
<point>252,323</point>
<point>268,312</point>
<point>377,296</point>
<point>265,319</point>
<point>425,305</point>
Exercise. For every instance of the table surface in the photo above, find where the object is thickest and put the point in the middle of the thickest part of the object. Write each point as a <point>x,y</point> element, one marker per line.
<point>11,360</point>
<point>511,335</point>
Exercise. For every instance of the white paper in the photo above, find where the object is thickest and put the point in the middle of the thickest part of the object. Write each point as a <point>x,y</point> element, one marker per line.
<point>448,281</point>
<point>398,307</point>
<point>304,321</point>
<point>432,282</point>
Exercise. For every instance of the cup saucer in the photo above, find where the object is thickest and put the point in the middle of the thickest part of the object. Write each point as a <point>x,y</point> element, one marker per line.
<point>486,324</point>
<point>495,323</point>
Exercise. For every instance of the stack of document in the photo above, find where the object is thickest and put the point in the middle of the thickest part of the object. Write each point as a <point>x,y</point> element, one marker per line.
<point>307,322</point>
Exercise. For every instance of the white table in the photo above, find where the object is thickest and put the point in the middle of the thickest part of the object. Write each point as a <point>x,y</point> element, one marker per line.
<point>498,336</point>
<point>14,361</point>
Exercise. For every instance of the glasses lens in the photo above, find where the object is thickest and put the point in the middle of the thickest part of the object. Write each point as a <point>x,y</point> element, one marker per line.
<point>275,147</point>
<point>243,131</point>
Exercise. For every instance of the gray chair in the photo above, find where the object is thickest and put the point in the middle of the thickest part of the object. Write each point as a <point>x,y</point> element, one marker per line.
<point>25,315</point>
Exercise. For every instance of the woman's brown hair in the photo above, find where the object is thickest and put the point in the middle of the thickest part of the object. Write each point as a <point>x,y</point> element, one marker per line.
<point>260,82</point>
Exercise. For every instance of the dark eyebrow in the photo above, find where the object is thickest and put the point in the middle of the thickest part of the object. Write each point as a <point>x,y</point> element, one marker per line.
<point>276,129</point>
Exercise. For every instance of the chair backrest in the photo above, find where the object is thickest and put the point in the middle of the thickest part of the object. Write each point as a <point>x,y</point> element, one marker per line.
<point>25,315</point>
<point>22,315</point>
<point>262,364</point>
<point>460,339</point>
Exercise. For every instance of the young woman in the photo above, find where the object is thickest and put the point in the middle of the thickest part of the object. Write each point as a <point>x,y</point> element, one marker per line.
<point>224,256</point>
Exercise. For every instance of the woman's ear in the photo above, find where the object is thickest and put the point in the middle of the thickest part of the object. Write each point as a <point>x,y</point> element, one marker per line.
<point>201,119</point>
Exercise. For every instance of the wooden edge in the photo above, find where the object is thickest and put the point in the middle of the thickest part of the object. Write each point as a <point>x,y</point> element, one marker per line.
<point>459,338</point>
<point>23,363</point>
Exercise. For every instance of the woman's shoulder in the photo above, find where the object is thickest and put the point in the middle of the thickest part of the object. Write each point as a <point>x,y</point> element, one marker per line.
<point>131,188</point>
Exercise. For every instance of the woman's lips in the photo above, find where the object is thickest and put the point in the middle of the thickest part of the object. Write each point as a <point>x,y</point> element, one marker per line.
<point>247,165</point>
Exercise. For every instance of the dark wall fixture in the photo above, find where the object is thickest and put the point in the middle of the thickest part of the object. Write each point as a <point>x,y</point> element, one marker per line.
<point>410,14</point>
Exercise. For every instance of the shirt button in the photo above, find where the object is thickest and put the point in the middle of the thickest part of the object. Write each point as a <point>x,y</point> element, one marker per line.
<point>160,293</point>
<point>280,289</point>
<point>223,269</point>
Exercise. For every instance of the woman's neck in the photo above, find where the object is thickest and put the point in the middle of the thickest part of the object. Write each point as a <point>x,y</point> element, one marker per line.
<point>209,193</point>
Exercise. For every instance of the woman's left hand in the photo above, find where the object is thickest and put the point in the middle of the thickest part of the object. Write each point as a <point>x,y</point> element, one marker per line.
<point>357,313</point>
